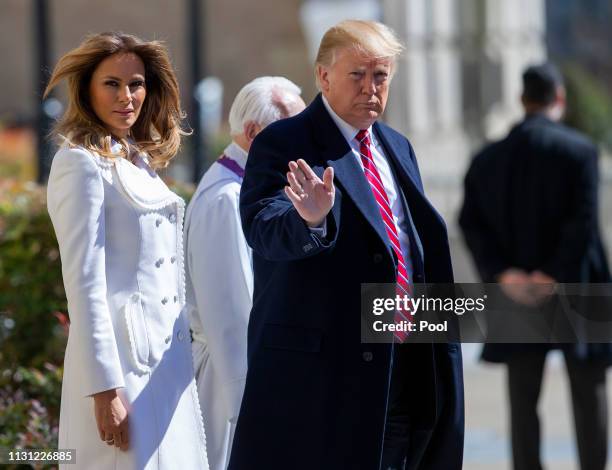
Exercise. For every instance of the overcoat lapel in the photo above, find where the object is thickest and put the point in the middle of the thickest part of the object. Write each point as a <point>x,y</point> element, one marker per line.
<point>337,153</point>
<point>406,171</point>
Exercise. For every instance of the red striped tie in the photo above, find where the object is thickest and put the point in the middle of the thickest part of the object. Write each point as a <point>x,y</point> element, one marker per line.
<point>403,284</point>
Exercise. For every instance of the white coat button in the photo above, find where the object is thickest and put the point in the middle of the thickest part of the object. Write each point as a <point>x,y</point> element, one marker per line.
<point>173,259</point>
<point>172,218</point>
<point>158,222</point>
<point>180,335</point>
<point>159,262</point>
<point>168,338</point>
<point>164,300</point>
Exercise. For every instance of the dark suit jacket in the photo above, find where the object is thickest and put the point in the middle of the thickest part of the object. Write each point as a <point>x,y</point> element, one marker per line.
<point>531,203</point>
<point>315,397</point>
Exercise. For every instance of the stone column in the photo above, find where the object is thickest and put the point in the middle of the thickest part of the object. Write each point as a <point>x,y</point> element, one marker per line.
<point>457,85</point>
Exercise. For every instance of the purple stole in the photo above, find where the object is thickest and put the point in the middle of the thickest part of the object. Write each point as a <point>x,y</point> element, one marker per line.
<point>232,165</point>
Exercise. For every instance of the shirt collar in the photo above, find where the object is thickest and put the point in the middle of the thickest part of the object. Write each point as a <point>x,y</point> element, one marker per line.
<point>349,132</point>
<point>237,153</point>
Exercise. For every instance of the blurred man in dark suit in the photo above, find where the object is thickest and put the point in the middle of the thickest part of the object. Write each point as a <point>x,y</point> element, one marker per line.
<point>530,217</point>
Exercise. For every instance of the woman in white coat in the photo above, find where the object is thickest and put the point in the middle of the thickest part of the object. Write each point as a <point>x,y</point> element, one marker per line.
<point>129,399</point>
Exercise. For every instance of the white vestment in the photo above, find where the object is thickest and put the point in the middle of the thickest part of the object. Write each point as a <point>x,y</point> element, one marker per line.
<point>219,291</point>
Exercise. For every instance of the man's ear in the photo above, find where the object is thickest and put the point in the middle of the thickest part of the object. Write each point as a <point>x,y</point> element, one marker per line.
<point>251,129</point>
<point>323,77</point>
<point>561,96</point>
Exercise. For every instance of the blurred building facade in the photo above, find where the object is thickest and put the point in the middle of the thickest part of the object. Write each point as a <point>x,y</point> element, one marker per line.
<point>241,40</point>
<point>457,85</point>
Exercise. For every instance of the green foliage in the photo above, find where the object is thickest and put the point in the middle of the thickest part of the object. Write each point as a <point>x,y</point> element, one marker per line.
<point>31,290</point>
<point>589,104</point>
<point>32,319</point>
<point>185,190</point>
<point>217,145</point>
<point>29,407</point>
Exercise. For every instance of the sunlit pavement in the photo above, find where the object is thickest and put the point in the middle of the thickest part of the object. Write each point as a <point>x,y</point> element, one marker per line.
<point>487,443</point>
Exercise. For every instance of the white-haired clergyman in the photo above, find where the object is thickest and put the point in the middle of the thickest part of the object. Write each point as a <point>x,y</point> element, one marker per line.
<point>218,260</point>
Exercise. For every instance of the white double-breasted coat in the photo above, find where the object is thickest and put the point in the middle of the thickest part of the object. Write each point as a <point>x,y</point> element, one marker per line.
<point>219,297</point>
<point>119,230</point>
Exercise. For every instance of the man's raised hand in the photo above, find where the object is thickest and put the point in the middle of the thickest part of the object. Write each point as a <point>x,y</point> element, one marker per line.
<point>312,197</point>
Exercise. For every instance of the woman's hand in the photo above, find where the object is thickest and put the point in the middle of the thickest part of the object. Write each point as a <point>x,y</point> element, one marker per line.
<point>112,419</point>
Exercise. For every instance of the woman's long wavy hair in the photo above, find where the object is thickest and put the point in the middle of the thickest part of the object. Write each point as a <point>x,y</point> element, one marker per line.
<point>158,128</point>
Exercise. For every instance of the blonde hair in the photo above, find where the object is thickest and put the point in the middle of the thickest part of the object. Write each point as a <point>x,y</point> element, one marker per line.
<point>370,38</point>
<point>158,128</point>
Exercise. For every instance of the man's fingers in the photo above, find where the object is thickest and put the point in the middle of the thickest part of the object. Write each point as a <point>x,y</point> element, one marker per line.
<point>308,173</point>
<point>294,198</point>
<point>328,178</point>
<point>294,183</point>
<point>295,169</point>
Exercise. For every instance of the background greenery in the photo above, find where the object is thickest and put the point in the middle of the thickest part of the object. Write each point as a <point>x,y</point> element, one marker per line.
<point>589,104</point>
<point>33,325</point>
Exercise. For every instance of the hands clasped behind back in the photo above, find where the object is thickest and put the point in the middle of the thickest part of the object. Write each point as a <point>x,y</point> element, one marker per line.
<point>312,197</point>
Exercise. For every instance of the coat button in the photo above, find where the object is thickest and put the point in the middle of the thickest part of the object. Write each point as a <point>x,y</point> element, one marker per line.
<point>377,258</point>
<point>368,356</point>
<point>159,262</point>
<point>173,259</point>
<point>180,335</point>
<point>168,338</point>
<point>164,300</point>
<point>158,222</point>
<point>172,218</point>
<point>175,298</point>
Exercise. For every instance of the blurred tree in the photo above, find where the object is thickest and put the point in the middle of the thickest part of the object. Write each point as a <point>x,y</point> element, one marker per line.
<point>589,104</point>
<point>33,322</point>
<point>31,288</point>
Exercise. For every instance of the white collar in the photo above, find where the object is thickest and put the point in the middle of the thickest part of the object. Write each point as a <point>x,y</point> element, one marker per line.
<point>237,153</point>
<point>349,132</point>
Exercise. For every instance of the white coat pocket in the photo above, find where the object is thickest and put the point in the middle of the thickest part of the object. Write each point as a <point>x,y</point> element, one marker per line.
<point>137,332</point>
